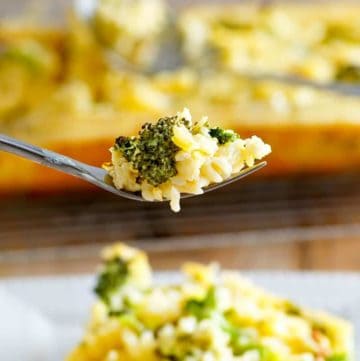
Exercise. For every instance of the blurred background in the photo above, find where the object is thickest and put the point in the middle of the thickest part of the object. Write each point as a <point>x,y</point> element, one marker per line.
<point>73,78</point>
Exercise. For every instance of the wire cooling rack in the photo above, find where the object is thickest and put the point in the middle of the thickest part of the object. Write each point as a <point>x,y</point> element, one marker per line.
<point>254,211</point>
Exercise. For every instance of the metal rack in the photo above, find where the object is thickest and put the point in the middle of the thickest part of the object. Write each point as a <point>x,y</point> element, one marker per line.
<point>262,212</point>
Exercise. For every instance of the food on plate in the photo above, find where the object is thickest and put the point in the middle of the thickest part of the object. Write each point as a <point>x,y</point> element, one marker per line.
<point>176,155</point>
<point>212,315</point>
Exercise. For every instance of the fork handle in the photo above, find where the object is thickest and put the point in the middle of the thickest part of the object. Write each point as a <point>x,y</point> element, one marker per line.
<point>41,156</point>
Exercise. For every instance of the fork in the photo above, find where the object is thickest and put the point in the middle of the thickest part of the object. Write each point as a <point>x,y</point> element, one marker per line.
<point>94,175</point>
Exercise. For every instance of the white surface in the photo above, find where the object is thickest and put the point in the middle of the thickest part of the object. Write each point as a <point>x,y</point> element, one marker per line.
<point>25,327</point>
<point>58,307</point>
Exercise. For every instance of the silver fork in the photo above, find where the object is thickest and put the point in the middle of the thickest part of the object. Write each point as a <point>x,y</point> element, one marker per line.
<point>91,174</point>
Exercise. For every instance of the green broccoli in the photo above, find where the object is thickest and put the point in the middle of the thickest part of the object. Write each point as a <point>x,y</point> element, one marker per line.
<point>239,337</point>
<point>153,152</point>
<point>223,136</point>
<point>32,55</point>
<point>128,146</point>
<point>111,278</point>
<point>291,309</point>
<point>202,308</point>
<point>264,352</point>
<point>338,357</point>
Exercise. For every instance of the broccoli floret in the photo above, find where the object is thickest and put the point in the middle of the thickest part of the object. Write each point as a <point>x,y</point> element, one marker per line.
<point>153,152</point>
<point>223,136</point>
<point>292,309</point>
<point>111,278</point>
<point>338,357</point>
<point>241,341</point>
<point>127,145</point>
<point>239,337</point>
<point>202,308</point>
<point>264,352</point>
<point>18,56</point>
<point>32,55</point>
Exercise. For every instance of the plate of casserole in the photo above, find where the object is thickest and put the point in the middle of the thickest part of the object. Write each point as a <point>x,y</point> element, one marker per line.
<point>211,316</point>
<point>202,313</point>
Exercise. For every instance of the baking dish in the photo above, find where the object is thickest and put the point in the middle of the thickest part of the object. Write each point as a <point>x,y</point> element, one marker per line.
<point>78,106</point>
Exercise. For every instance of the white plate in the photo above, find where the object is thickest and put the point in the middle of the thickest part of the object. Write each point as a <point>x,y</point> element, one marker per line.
<point>64,302</point>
